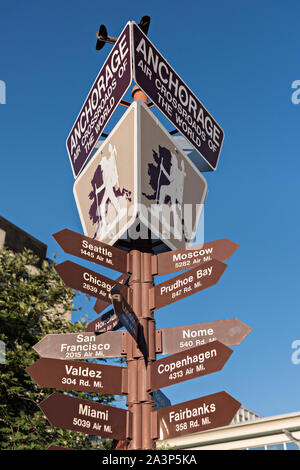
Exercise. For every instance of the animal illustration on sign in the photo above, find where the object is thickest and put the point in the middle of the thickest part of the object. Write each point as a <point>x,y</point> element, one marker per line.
<point>106,193</point>
<point>167,177</point>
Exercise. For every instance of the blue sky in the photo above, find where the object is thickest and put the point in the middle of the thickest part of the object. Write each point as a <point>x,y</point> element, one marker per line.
<point>240,59</point>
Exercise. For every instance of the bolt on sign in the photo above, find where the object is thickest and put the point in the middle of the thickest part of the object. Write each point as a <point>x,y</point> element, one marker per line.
<point>80,345</point>
<point>139,178</point>
<point>179,338</point>
<point>86,281</point>
<point>106,93</point>
<point>201,414</point>
<point>187,283</point>
<point>175,100</point>
<point>80,376</point>
<point>84,416</point>
<point>189,364</point>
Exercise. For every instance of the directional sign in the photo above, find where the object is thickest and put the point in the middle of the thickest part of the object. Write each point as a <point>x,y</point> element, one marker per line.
<point>188,283</point>
<point>174,99</point>
<point>180,260</point>
<point>84,416</point>
<point>194,362</point>
<point>91,250</point>
<point>81,376</point>
<point>106,93</point>
<point>101,304</point>
<point>173,189</point>
<point>87,281</point>
<point>124,312</point>
<point>59,448</point>
<point>179,338</point>
<point>107,322</point>
<point>201,414</point>
<point>80,345</point>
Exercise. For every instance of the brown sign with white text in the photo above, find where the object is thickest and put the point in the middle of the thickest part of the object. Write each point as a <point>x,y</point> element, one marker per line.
<point>84,416</point>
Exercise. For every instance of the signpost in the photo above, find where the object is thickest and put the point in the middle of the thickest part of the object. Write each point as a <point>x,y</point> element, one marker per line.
<point>201,414</point>
<point>188,283</point>
<point>80,376</point>
<point>106,93</point>
<point>84,416</point>
<point>186,365</point>
<point>175,100</point>
<point>80,345</point>
<point>179,338</point>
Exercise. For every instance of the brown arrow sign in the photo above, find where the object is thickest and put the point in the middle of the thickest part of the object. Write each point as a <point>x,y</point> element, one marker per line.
<point>87,281</point>
<point>100,304</point>
<point>201,414</point>
<point>80,376</point>
<point>84,416</point>
<point>80,345</point>
<point>107,322</point>
<point>92,250</point>
<point>181,260</point>
<point>189,364</point>
<point>188,283</point>
<point>179,338</point>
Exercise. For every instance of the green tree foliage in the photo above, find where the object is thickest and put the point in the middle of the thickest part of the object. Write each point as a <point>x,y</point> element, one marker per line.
<point>33,303</point>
